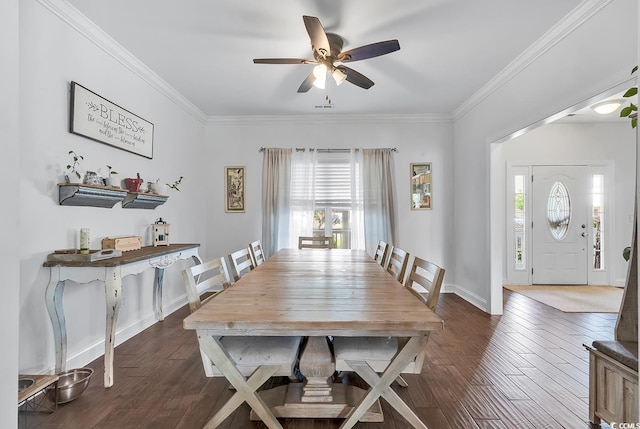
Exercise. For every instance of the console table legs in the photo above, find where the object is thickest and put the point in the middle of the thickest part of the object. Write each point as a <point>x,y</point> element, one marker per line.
<point>53,298</point>
<point>111,275</point>
<point>157,293</point>
<point>158,282</point>
<point>113,295</point>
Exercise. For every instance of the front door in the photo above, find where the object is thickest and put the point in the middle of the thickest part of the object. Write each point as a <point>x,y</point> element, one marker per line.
<point>560,224</point>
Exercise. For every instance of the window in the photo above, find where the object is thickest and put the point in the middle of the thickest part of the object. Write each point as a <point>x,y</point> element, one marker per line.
<point>325,186</point>
<point>519,222</point>
<point>339,227</point>
<point>597,213</point>
<point>559,211</point>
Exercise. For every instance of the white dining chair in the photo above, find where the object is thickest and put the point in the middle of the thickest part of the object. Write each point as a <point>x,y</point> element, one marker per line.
<point>257,255</point>
<point>315,242</point>
<point>256,358</point>
<point>242,262</point>
<point>397,263</point>
<point>424,281</point>
<point>380,256</point>
<point>210,278</point>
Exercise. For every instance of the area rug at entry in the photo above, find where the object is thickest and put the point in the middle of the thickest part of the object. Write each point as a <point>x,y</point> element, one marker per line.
<point>574,299</point>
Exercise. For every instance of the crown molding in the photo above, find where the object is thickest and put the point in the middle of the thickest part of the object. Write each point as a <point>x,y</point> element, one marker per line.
<point>332,119</point>
<point>76,20</point>
<point>574,19</point>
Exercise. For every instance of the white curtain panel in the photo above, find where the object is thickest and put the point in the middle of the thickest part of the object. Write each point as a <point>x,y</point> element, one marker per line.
<point>380,207</point>
<point>303,181</point>
<point>276,199</point>
<point>357,202</point>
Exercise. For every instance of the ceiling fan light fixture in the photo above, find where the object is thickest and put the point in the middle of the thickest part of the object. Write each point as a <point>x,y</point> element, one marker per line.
<point>320,73</point>
<point>327,50</point>
<point>338,76</point>
<point>606,107</point>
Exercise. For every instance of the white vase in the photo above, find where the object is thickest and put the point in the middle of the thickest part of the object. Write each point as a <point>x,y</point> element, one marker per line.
<point>111,182</point>
<point>159,188</point>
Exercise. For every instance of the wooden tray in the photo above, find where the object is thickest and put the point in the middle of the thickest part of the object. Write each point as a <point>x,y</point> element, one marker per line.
<point>133,242</point>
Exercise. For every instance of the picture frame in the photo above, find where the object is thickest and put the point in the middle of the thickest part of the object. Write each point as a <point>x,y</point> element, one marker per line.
<point>234,189</point>
<point>420,185</point>
<point>96,118</point>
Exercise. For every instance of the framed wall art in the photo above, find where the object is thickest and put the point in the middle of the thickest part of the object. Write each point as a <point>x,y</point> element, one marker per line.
<point>234,189</point>
<point>99,119</point>
<point>420,186</point>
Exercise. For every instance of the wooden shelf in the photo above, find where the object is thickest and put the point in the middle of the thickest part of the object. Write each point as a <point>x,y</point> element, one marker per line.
<point>76,194</point>
<point>139,200</point>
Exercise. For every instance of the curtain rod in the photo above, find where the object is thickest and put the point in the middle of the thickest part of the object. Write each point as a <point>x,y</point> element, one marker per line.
<point>301,149</point>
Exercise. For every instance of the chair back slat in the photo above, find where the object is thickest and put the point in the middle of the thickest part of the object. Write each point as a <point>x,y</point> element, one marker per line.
<point>381,253</point>
<point>242,262</point>
<point>315,242</point>
<point>257,255</point>
<point>397,263</point>
<point>425,279</point>
<point>211,276</point>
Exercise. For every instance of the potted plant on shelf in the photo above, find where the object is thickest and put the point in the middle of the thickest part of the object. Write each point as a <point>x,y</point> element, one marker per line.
<point>163,188</point>
<point>109,181</point>
<point>133,185</point>
<point>72,174</point>
<point>175,184</point>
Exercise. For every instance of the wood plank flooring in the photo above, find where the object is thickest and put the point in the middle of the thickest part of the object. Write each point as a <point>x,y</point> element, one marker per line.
<point>525,369</point>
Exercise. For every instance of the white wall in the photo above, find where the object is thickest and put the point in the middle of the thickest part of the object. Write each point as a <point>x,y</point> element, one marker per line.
<point>53,53</point>
<point>597,55</point>
<point>425,233</point>
<point>9,255</point>
<point>566,143</point>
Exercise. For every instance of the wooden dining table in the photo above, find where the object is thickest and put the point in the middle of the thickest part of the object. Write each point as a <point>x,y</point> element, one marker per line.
<point>317,294</point>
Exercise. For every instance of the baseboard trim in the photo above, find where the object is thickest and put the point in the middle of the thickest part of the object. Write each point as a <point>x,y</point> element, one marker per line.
<point>467,295</point>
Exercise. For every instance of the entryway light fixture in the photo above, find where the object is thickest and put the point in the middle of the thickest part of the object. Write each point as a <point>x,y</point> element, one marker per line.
<point>607,106</point>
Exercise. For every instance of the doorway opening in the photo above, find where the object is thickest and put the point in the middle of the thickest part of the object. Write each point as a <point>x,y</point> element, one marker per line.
<point>622,184</point>
<point>558,223</point>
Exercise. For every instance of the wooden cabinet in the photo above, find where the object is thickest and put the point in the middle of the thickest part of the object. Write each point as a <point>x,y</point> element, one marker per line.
<point>613,389</point>
<point>613,365</point>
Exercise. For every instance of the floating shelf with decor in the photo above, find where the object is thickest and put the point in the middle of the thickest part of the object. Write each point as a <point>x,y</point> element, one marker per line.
<point>75,194</point>
<point>141,200</point>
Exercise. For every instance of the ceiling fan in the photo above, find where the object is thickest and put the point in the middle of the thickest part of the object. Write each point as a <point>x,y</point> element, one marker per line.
<point>327,51</point>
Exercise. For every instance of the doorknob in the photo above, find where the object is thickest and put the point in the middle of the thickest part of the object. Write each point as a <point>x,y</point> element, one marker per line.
<point>584,234</point>
<point>584,226</point>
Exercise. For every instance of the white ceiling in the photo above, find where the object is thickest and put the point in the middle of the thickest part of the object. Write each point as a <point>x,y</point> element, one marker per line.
<point>204,49</point>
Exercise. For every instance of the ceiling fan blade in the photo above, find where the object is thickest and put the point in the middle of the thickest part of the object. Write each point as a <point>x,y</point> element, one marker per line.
<point>369,51</point>
<point>356,78</point>
<point>284,61</point>
<point>319,40</point>
<point>307,83</point>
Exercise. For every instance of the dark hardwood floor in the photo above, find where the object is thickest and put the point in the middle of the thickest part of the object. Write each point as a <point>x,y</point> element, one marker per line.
<point>525,369</point>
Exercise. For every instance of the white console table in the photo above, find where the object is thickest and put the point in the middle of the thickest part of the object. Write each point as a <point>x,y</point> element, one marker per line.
<point>111,272</point>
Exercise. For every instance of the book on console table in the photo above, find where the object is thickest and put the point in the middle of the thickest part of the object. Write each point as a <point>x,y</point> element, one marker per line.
<point>93,255</point>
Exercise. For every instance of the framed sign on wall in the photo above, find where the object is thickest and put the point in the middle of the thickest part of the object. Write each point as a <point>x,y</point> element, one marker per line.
<point>99,119</point>
<point>234,189</point>
<point>420,186</point>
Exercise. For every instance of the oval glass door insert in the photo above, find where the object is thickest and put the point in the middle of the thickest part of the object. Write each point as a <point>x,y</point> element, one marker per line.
<point>559,210</point>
